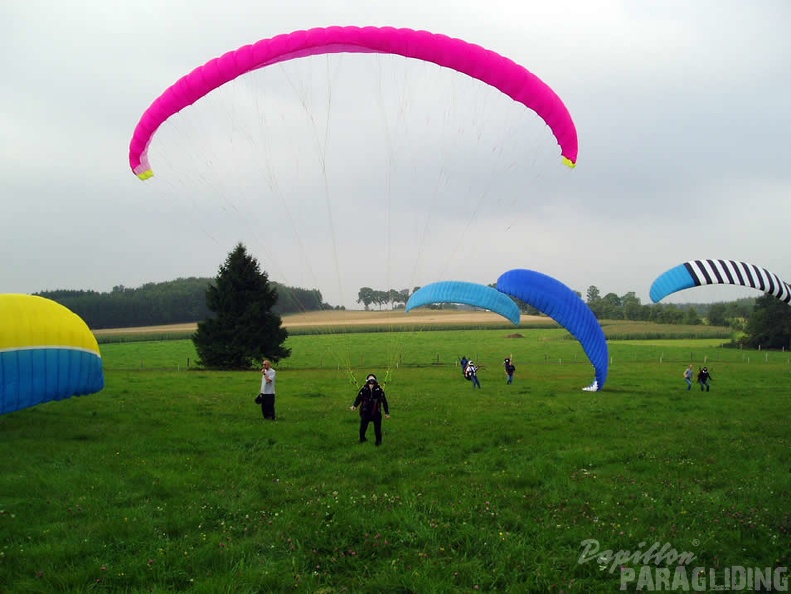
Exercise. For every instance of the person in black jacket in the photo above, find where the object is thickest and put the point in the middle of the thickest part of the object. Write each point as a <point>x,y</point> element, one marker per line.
<point>463,362</point>
<point>704,379</point>
<point>371,400</point>
<point>509,366</point>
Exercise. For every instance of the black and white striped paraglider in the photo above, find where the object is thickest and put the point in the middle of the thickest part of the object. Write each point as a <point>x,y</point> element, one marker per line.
<point>696,273</point>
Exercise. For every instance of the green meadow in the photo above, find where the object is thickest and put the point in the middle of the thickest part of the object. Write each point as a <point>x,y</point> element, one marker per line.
<point>169,480</point>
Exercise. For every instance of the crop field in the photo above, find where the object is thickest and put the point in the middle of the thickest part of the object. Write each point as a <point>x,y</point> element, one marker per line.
<point>170,479</point>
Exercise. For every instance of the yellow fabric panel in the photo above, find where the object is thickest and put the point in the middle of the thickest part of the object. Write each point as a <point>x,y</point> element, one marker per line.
<point>29,321</point>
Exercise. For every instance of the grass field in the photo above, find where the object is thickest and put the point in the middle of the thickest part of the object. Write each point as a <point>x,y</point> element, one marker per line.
<point>169,479</point>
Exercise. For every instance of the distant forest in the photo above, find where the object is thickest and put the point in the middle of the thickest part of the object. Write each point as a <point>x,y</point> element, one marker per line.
<point>174,302</point>
<point>184,300</point>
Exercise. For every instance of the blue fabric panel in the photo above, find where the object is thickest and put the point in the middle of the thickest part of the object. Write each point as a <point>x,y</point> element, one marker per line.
<point>563,305</point>
<point>675,279</point>
<point>468,293</point>
<point>33,376</point>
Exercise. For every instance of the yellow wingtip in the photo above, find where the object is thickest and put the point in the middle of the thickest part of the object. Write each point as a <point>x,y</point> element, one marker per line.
<point>566,161</point>
<point>145,174</point>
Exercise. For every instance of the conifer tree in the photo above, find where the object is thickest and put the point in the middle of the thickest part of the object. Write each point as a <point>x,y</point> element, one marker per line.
<point>243,329</point>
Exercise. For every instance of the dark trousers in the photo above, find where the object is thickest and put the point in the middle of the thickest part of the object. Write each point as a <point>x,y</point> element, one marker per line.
<point>377,421</point>
<point>268,406</point>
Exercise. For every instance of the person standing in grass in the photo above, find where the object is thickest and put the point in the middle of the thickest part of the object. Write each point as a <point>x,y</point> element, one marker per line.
<point>688,373</point>
<point>508,363</point>
<point>471,373</point>
<point>372,401</point>
<point>268,390</point>
<point>463,362</point>
<point>704,377</point>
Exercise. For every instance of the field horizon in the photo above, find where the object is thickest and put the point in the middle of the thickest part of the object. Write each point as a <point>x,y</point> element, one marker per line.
<point>342,318</point>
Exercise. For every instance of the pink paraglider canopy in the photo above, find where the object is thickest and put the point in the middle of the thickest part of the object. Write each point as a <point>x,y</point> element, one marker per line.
<point>473,60</point>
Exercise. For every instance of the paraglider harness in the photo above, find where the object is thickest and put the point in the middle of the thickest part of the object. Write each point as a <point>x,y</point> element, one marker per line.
<point>370,400</point>
<point>470,370</point>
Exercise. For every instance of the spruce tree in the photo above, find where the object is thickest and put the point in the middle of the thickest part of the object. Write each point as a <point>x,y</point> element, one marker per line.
<point>243,328</point>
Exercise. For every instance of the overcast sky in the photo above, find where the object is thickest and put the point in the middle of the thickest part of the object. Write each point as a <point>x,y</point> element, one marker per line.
<point>357,170</point>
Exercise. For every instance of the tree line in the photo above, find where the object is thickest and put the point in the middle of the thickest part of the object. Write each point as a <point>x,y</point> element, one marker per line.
<point>605,307</point>
<point>765,322</point>
<point>392,297</point>
<point>629,307</point>
<point>183,300</point>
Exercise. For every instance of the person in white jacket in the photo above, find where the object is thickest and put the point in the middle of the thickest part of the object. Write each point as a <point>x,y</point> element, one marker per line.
<point>268,390</point>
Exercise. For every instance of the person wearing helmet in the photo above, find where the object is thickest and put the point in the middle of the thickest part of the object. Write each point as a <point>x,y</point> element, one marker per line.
<point>704,377</point>
<point>509,366</point>
<point>471,373</point>
<point>371,400</point>
<point>463,364</point>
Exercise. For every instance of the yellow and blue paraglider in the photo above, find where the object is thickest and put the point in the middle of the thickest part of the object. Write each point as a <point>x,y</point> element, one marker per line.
<point>47,352</point>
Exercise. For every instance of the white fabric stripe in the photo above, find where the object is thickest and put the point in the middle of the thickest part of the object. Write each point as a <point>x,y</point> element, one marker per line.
<point>763,276</point>
<point>746,272</point>
<point>731,266</point>
<point>785,292</point>
<point>752,276</point>
<point>777,288</point>
<point>771,277</point>
<point>749,276</point>
<point>738,268</point>
<point>707,267</point>
<point>697,267</point>
<point>719,271</point>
